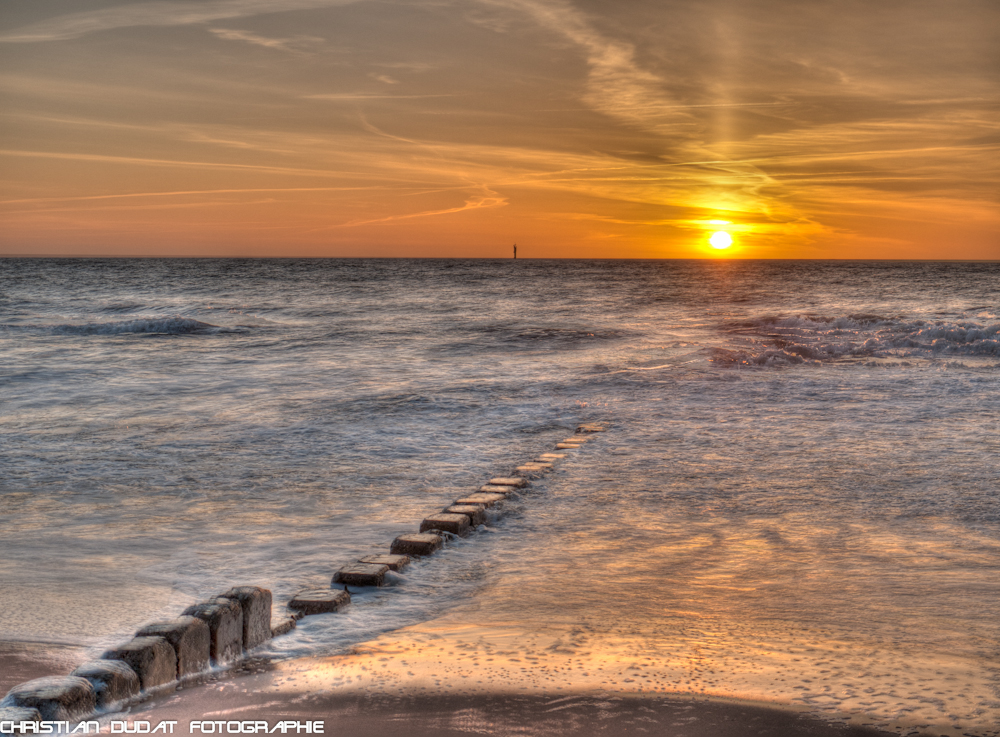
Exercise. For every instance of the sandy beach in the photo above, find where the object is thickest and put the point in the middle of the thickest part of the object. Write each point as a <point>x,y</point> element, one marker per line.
<point>312,689</point>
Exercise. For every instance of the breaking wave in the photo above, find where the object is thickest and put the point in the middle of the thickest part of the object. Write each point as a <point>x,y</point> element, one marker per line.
<point>157,326</point>
<point>790,340</point>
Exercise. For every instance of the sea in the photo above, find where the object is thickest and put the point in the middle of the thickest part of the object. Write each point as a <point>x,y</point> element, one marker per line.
<point>796,499</point>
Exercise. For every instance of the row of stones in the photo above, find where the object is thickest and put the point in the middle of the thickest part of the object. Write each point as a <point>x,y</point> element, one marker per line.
<point>220,630</point>
<point>459,518</point>
<point>213,632</point>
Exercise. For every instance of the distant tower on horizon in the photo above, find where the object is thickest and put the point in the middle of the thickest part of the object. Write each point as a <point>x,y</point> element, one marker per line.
<point>515,250</point>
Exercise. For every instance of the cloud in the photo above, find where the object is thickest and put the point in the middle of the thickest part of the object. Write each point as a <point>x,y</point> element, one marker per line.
<point>171,163</point>
<point>616,85</point>
<point>183,193</point>
<point>283,44</point>
<point>489,198</point>
<point>349,96</point>
<point>157,13</point>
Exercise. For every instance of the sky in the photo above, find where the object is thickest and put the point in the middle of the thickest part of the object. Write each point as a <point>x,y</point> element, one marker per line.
<point>456,128</point>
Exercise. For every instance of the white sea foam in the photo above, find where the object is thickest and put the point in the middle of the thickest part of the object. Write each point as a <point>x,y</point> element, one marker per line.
<point>798,339</point>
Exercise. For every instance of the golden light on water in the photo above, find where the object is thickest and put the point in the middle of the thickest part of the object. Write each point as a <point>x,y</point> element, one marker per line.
<point>721,240</point>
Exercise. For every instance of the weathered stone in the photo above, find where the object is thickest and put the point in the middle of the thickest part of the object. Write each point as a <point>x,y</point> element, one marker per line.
<point>283,626</point>
<point>191,640</point>
<point>395,562</point>
<point>256,603</point>
<point>456,524</point>
<point>224,618</point>
<point>578,439</point>
<point>533,469</point>
<point>361,574</point>
<point>17,715</point>
<point>320,601</point>
<point>512,481</point>
<point>589,427</point>
<point>57,698</point>
<point>153,659</point>
<point>567,446</point>
<point>475,513</point>
<point>114,682</point>
<point>481,500</point>
<point>416,544</point>
<point>550,457</point>
<point>489,489</point>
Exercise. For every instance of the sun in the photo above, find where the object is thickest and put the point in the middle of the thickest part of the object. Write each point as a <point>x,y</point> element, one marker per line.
<point>721,240</point>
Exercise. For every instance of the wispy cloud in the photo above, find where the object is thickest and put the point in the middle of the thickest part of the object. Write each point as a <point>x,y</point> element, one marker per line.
<point>348,96</point>
<point>182,193</point>
<point>617,85</point>
<point>295,44</point>
<point>620,87</point>
<point>171,163</point>
<point>488,199</point>
<point>157,13</point>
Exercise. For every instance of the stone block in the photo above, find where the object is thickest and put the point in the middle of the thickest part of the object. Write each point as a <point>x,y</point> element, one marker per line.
<point>416,544</point>
<point>320,601</point>
<point>456,524</point>
<point>550,457</point>
<point>589,427</point>
<point>509,481</point>
<point>256,604</point>
<point>567,446</point>
<point>17,715</point>
<point>475,513</point>
<point>283,626</point>
<point>578,439</point>
<point>481,500</point>
<point>153,659</point>
<point>488,489</point>
<point>534,469</point>
<point>57,698</point>
<point>114,682</point>
<point>224,618</point>
<point>191,640</point>
<point>361,574</point>
<point>395,562</point>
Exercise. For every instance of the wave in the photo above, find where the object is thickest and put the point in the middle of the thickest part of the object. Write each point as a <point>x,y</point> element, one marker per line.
<point>154,326</point>
<point>777,340</point>
<point>550,336</point>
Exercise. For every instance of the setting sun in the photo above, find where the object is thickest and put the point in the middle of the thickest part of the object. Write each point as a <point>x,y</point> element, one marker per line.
<point>721,240</point>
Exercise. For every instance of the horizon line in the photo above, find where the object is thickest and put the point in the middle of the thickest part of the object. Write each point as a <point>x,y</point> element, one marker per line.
<point>485,258</point>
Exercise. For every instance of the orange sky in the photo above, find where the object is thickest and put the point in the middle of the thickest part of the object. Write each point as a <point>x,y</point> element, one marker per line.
<point>575,128</point>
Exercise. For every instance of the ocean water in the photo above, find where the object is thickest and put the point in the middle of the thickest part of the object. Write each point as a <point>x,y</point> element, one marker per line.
<point>797,499</point>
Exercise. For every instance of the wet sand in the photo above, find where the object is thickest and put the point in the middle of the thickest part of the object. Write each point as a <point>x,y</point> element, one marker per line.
<point>358,715</point>
<point>22,661</point>
<point>310,689</point>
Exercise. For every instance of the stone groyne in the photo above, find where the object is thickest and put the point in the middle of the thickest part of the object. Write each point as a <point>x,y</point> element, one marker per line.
<point>223,629</point>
